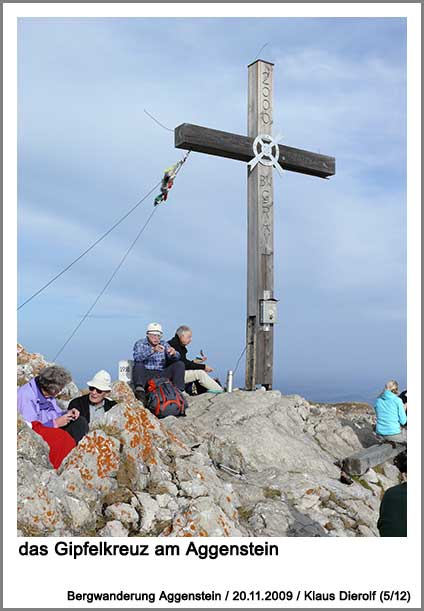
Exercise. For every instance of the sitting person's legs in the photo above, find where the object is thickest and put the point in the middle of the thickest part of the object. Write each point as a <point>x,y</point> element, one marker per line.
<point>77,428</point>
<point>140,374</point>
<point>199,375</point>
<point>399,438</point>
<point>175,372</point>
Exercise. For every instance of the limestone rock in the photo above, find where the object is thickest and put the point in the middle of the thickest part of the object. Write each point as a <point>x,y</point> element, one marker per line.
<point>29,365</point>
<point>202,518</point>
<point>240,464</point>
<point>126,514</point>
<point>114,528</point>
<point>96,457</point>
<point>31,446</point>
<point>149,508</point>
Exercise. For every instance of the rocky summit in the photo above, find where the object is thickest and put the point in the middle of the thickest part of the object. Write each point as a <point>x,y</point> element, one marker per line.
<point>255,464</point>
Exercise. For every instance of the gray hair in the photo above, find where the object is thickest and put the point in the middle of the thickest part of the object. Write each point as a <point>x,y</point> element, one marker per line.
<point>53,378</point>
<point>182,329</point>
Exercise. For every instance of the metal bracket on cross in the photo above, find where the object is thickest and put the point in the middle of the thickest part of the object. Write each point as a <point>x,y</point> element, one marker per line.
<point>263,149</point>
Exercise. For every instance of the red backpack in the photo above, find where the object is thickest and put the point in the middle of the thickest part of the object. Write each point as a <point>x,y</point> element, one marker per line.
<point>164,399</point>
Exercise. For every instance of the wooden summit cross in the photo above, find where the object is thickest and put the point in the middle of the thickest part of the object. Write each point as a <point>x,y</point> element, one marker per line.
<point>261,305</point>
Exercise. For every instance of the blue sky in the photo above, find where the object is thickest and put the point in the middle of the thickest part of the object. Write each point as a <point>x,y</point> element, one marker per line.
<point>88,152</point>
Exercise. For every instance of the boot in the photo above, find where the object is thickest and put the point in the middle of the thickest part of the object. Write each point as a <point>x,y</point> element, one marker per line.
<point>140,394</point>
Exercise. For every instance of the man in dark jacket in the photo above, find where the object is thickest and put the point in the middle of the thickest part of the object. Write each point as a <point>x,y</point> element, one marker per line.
<point>94,405</point>
<point>393,509</point>
<point>194,371</point>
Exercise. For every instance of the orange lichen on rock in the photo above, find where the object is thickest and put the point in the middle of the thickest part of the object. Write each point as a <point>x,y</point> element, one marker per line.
<point>139,427</point>
<point>167,531</point>
<point>22,355</point>
<point>122,393</point>
<point>224,525</point>
<point>104,450</point>
<point>175,439</point>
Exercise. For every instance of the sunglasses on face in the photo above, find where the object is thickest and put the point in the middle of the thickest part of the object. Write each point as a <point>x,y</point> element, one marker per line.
<point>93,388</point>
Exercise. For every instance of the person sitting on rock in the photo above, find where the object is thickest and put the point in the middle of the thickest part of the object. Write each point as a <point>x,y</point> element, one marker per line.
<point>38,407</point>
<point>404,399</point>
<point>94,404</point>
<point>392,521</point>
<point>154,358</point>
<point>194,371</point>
<point>390,414</point>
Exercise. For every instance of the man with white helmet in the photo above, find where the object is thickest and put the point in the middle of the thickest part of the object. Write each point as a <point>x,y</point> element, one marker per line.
<point>155,358</point>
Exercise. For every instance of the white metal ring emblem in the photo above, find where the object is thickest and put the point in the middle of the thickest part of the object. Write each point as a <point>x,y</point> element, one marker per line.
<point>266,152</point>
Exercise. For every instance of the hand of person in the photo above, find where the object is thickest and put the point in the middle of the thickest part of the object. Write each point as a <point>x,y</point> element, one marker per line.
<point>208,369</point>
<point>74,413</point>
<point>63,420</point>
<point>203,359</point>
<point>171,351</point>
<point>158,348</point>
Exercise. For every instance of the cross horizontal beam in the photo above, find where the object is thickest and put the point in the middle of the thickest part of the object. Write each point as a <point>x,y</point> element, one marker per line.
<point>234,146</point>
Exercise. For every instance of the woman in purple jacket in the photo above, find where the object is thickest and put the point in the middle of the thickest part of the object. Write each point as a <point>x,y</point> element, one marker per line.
<point>36,402</point>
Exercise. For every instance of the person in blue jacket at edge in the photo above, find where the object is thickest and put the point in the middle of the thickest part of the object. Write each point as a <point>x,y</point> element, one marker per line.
<point>391,415</point>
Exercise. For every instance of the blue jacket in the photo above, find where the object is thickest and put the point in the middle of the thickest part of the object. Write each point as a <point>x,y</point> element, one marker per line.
<point>390,414</point>
<point>143,353</point>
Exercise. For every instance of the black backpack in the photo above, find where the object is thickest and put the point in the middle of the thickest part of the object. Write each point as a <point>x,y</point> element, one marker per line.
<point>164,399</point>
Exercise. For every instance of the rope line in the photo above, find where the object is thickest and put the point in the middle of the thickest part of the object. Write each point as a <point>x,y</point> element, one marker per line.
<point>106,285</point>
<point>158,122</point>
<point>260,51</point>
<point>239,359</point>
<point>90,247</point>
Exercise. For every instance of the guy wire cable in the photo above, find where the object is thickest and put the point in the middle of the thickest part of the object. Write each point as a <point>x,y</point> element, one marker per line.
<point>239,359</point>
<point>90,247</point>
<point>106,285</point>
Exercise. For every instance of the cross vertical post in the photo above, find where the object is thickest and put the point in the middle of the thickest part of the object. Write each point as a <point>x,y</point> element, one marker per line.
<point>261,311</point>
<point>260,240</point>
